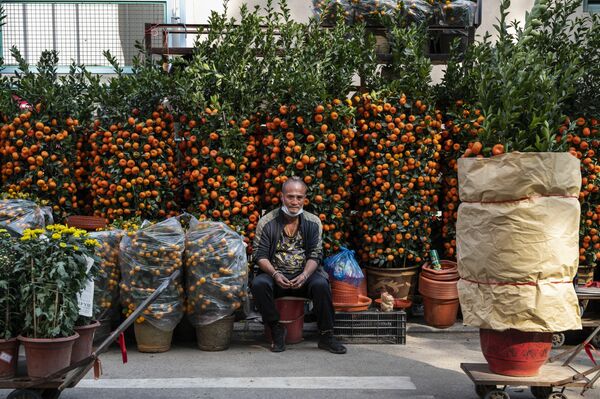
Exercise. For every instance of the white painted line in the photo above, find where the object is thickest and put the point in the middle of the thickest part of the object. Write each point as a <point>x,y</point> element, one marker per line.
<point>374,383</point>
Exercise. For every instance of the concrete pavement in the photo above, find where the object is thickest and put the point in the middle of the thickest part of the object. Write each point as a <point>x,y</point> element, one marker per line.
<point>427,367</point>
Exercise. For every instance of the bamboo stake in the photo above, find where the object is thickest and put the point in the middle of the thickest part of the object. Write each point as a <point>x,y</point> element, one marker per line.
<point>34,300</point>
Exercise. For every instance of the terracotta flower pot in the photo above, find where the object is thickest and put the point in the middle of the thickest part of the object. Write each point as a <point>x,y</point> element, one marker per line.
<point>398,282</point>
<point>515,353</point>
<point>362,288</point>
<point>440,313</point>
<point>10,347</point>
<point>90,223</point>
<point>440,294</point>
<point>449,271</point>
<point>46,356</point>
<point>343,292</point>
<point>438,289</point>
<point>82,347</point>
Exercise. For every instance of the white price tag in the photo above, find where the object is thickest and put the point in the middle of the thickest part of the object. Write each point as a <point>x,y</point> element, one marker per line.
<point>85,298</point>
<point>5,357</point>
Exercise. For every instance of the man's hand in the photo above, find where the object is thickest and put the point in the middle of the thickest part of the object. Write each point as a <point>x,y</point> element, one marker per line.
<point>299,280</point>
<point>282,281</point>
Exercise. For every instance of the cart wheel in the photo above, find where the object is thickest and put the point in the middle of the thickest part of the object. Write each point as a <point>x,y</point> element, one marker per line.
<point>557,395</point>
<point>497,394</point>
<point>482,390</point>
<point>51,393</point>
<point>24,394</point>
<point>541,392</point>
<point>558,340</point>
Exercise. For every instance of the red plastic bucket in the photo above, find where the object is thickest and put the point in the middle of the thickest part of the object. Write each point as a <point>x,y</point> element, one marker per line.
<point>291,316</point>
<point>515,353</point>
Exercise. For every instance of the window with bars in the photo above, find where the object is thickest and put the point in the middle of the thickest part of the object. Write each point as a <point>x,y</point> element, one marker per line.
<point>79,30</point>
<point>591,5</point>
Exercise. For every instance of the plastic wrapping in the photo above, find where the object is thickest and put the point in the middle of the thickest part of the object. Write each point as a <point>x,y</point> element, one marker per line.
<point>17,215</point>
<point>457,13</point>
<point>146,258</point>
<point>343,267</point>
<point>216,271</point>
<point>353,11</point>
<point>451,13</point>
<point>418,11</point>
<point>106,284</point>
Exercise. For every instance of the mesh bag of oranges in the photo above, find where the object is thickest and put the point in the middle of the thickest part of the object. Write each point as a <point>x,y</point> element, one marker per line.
<point>17,215</point>
<point>216,269</point>
<point>106,284</point>
<point>146,258</point>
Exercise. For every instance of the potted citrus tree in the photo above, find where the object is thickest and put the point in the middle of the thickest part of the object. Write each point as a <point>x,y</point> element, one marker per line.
<point>9,323</point>
<point>54,266</point>
<point>517,229</point>
<point>397,144</point>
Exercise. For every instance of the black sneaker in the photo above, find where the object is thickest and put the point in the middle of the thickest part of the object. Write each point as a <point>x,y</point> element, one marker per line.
<point>329,343</point>
<point>278,333</point>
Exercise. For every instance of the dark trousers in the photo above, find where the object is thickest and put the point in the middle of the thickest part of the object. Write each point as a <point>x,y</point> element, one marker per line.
<point>316,288</point>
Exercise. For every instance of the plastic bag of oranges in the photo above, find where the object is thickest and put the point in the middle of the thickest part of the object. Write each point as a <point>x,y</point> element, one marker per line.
<point>147,257</point>
<point>17,215</point>
<point>106,284</point>
<point>216,269</point>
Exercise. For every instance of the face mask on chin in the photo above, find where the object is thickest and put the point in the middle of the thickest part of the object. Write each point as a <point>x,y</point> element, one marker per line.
<point>290,213</point>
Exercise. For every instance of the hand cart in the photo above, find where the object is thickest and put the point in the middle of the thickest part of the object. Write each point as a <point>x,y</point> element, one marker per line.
<point>552,376</point>
<point>52,386</point>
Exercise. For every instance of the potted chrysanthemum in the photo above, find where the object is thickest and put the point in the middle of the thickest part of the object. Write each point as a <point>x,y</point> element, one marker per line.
<point>9,320</point>
<point>54,267</point>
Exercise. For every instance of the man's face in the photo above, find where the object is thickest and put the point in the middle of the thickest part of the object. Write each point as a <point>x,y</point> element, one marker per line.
<point>293,197</point>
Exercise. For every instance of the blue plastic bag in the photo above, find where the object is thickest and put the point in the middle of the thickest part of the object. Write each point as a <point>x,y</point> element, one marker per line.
<point>343,267</point>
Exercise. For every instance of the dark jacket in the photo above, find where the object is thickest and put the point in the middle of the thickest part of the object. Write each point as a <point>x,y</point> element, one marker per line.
<point>268,233</point>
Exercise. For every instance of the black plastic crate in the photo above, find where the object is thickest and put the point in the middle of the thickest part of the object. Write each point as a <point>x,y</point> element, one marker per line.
<point>371,327</point>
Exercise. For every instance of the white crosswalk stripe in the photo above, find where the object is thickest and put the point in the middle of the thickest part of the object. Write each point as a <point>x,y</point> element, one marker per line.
<point>350,383</point>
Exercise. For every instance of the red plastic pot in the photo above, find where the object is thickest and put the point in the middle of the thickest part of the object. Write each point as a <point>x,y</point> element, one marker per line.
<point>515,353</point>
<point>10,347</point>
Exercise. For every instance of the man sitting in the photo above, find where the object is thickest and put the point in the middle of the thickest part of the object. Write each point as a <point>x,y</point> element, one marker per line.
<point>288,251</point>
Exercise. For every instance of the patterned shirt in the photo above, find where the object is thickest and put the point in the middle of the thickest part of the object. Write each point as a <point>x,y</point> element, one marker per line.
<point>289,255</point>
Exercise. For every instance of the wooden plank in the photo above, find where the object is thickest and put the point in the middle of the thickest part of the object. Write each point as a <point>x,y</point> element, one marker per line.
<point>24,382</point>
<point>550,375</point>
<point>590,320</point>
<point>587,292</point>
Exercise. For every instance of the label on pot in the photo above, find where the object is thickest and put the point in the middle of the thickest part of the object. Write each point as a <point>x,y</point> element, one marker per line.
<point>85,299</point>
<point>5,357</point>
